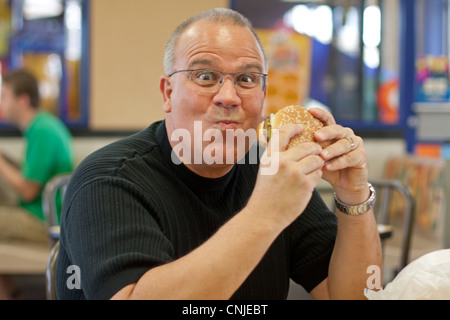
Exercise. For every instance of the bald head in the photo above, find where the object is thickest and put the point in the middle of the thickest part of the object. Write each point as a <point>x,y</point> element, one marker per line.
<point>218,16</point>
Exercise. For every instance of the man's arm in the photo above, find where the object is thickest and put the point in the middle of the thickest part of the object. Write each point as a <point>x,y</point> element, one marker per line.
<point>358,243</point>
<point>28,190</point>
<point>216,269</point>
<point>357,247</point>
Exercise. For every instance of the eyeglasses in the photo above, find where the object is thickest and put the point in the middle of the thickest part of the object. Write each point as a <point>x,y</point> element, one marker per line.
<point>212,80</point>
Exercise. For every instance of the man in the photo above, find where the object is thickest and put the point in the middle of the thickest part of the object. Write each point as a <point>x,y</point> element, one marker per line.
<point>138,225</point>
<point>48,152</point>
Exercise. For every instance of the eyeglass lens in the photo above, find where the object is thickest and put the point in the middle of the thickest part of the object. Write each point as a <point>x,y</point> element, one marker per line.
<point>244,82</point>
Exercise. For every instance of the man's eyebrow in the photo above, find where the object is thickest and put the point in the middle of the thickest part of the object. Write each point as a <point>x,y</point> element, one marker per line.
<point>210,63</point>
<point>253,65</point>
<point>203,62</point>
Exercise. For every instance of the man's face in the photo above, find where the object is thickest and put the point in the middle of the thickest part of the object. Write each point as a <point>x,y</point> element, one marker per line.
<point>226,48</point>
<point>8,103</point>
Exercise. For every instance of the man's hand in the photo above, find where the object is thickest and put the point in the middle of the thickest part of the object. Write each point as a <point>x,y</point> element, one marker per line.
<point>28,190</point>
<point>345,160</point>
<point>284,194</point>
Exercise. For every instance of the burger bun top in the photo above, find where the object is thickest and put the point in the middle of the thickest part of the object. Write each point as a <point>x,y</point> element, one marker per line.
<point>298,115</point>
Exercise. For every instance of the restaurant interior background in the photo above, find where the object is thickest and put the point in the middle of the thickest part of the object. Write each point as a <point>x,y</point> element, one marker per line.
<point>380,66</point>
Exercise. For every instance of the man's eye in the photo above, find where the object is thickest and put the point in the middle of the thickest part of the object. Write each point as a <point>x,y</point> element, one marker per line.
<point>205,76</point>
<point>247,78</point>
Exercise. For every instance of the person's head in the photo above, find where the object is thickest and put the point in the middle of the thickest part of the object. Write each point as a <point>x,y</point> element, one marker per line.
<point>19,92</point>
<point>217,15</point>
<point>220,40</point>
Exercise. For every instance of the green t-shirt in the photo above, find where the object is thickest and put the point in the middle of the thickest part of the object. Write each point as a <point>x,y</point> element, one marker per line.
<point>49,152</point>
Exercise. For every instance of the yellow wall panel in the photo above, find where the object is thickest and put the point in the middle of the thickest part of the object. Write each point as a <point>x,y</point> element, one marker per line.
<point>126,47</point>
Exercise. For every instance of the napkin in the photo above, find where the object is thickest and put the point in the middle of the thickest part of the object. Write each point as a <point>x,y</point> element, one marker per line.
<point>426,278</point>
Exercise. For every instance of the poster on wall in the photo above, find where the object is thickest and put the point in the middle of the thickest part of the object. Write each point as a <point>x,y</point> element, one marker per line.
<point>432,73</point>
<point>289,57</point>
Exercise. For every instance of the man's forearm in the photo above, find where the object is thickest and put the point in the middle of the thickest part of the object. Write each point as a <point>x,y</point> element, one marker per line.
<point>216,269</point>
<point>357,248</point>
<point>28,190</point>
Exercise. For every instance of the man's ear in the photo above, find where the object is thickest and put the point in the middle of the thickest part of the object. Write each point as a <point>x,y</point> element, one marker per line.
<point>166,90</point>
<point>24,100</point>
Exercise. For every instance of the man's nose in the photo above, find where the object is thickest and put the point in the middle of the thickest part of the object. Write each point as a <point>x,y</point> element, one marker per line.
<point>227,95</point>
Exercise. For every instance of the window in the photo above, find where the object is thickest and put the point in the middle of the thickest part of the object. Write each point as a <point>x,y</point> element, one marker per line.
<point>50,37</point>
<point>348,71</point>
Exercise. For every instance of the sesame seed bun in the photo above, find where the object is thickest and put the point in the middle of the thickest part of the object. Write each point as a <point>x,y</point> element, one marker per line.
<point>293,114</point>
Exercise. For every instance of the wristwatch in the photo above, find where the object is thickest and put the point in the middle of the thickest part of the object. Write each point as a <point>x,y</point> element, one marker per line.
<point>358,209</point>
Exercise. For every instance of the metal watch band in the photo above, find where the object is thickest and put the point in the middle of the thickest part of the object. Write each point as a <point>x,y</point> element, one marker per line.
<point>358,209</point>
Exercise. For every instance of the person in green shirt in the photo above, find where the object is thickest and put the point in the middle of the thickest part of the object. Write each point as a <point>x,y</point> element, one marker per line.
<point>48,152</point>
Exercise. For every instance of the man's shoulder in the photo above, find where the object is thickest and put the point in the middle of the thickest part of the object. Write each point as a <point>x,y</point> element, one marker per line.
<point>44,118</point>
<point>106,161</point>
<point>116,152</point>
<point>47,125</point>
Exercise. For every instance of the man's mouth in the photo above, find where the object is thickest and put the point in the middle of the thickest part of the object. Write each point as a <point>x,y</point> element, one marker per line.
<point>227,124</point>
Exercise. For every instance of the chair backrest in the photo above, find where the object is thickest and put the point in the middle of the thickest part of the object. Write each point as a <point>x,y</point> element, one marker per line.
<point>51,199</point>
<point>388,193</point>
<point>50,290</point>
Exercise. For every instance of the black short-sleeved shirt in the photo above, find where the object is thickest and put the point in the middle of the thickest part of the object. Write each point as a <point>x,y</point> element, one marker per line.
<point>129,208</point>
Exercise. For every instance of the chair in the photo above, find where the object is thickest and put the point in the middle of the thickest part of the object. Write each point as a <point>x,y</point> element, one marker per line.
<point>50,290</point>
<point>387,191</point>
<point>53,192</point>
<point>55,189</point>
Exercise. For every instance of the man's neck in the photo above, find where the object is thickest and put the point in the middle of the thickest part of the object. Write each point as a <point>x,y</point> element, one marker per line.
<point>202,169</point>
<point>27,118</point>
<point>208,171</point>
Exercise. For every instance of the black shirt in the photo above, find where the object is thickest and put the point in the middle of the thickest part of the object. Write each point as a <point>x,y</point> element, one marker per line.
<point>129,208</point>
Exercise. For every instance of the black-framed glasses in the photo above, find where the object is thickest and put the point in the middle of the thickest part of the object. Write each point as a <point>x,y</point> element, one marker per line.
<point>212,80</point>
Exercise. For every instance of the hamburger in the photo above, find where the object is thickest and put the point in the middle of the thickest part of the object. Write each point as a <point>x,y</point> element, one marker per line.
<point>292,114</point>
